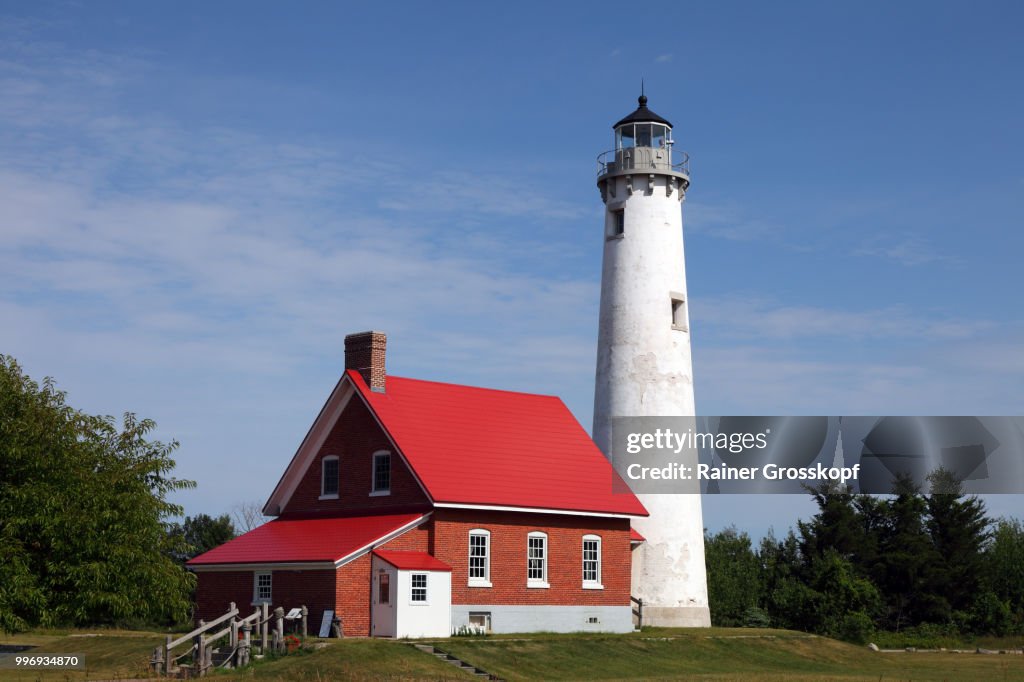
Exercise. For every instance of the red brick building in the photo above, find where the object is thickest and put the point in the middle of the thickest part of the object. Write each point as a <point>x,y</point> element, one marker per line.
<point>415,508</point>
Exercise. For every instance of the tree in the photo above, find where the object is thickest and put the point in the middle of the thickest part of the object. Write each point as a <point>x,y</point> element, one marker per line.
<point>783,593</point>
<point>845,603</point>
<point>907,557</point>
<point>248,516</point>
<point>733,576</point>
<point>959,528</point>
<point>1004,570</point>
<point>836,527</point>
<point>202,533</point>
<point>83,510</point>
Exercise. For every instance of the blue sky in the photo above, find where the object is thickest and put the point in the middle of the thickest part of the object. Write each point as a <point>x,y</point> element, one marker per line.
<point>199,200</point>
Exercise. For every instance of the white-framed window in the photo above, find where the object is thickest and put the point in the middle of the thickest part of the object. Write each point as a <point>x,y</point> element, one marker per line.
<point>329,476</point>
<point>262,587</point>
<point>592,562</point>
<point>537,559</point>
<point>479,558</point>
<point>381,483</point>
<point>480,621</point>
<point>418,588</point>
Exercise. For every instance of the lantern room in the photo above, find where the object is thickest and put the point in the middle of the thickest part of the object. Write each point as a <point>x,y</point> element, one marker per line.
<point>643,128</point>
<point>643,142</point>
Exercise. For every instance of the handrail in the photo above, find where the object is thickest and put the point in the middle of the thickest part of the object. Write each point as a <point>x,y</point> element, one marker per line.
<point>230,657</point>
<point>638,611</point>
<point>218,635</point>
<point>202,650</point>
<point>204,627</point>
<point>253,619</point>
<point>627,159</point>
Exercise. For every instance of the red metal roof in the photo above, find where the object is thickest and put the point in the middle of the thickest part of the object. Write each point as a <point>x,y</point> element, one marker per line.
<point>634,536</point>
<point>481,446</point>
<point>412,561</point>
<point>302,540</point>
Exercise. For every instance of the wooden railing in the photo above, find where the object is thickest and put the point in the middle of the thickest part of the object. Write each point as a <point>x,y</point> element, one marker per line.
<point>240,644</point>
<point>638,611</point>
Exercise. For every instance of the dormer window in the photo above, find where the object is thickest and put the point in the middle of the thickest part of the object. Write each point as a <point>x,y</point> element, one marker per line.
<point>329,474</point>
<point>381,473</point>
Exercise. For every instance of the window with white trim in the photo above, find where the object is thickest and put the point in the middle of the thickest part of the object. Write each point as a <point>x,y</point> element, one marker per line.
<point>480,557</point>
<point>381,473</point>
<point>591,561</point>
<point>418,593</point>
<point>480,621</point>
<point>329,473</point>
<point>537,559</point>
<point>262,584</point>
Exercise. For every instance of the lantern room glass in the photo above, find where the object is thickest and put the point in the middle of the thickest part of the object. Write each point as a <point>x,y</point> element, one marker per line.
<point>624,137</point>
<point>641,135</point>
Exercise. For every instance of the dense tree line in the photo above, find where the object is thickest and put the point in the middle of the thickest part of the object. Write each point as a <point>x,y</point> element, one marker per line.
<point>865,563</point>
<point>85,536</point>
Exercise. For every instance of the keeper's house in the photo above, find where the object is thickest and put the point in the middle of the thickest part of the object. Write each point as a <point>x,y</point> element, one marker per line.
<point>413,508</point>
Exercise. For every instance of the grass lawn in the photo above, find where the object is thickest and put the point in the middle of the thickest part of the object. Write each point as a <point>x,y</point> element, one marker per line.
<point>352,659</point>
<point>109,654</point>
<point>123,655</point>
<point>717,654</point>
<point>709,654</point>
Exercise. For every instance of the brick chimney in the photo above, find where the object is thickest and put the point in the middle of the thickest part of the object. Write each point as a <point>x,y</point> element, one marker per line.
<point>364,352</point>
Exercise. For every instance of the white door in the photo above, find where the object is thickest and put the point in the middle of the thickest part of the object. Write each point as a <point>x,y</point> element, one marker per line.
<point>384,587</point>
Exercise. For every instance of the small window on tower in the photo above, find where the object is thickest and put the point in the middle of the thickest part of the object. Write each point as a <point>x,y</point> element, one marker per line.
<point>679,317</point>
<point>617,225</point>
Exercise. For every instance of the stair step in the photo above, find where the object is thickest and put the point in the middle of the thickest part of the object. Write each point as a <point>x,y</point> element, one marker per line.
<point>458,663</point>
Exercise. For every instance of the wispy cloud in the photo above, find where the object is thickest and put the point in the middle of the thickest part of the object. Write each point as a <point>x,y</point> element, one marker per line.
<point>909,250</point>
<point>725,221</point>
<point>185,271</point>
<point>734,317</point>
<point>662,58</point>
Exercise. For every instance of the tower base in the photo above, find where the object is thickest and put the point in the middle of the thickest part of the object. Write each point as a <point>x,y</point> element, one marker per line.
<point>677,616</point>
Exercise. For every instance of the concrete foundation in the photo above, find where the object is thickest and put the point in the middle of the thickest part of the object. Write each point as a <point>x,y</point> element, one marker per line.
<point>677,616</point>
<point>508,619</point>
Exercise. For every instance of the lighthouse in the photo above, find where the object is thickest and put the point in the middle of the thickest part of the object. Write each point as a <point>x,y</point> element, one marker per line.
<point>643,349</point>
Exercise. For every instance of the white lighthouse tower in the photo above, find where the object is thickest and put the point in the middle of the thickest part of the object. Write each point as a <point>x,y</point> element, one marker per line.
<point>643,349</point>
